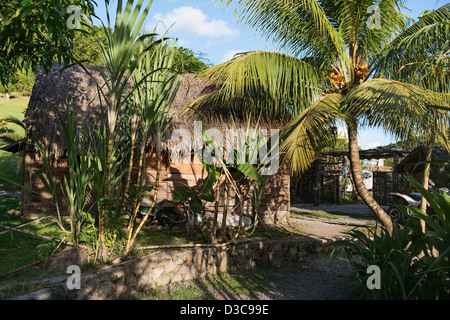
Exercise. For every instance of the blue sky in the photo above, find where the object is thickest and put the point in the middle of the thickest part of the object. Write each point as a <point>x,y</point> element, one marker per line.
<point>207,28</point>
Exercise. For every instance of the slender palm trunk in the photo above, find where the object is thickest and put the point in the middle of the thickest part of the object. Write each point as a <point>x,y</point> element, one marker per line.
<point>213,237</point>
<point>426,176</point>
<point>355,164</point>
<point>130,167</point>
<point>133,144</point>
<point>225,212</point>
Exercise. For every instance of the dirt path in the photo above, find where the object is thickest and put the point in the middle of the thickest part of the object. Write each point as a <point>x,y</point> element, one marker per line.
<point>317,277</point>
<point>327,228</point>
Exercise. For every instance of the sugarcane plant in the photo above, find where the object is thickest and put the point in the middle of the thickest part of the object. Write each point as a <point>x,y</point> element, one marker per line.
<point>125,48</point>
<point>75,184</point>
<point>154,97</point>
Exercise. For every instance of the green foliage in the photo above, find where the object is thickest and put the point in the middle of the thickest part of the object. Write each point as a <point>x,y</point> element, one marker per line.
<point>413,265</point>
<point>440,204</point>
<point>337,67</point>
<point>36,32</point>
<point>86,48</point>
<point>186,61</point>
<point>193,199</point>
<point>21,82</point>
<point>45,249</point>
<point>76,183</point>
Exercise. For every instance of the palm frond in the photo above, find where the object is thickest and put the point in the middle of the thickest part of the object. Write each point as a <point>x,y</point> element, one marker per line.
<point>299,28</point>
<point>14,120</point>
<point>367,26</point>
<point>408,52</point>
<point>274,83</point>
<point>310,131</point>
<point>400,108</point>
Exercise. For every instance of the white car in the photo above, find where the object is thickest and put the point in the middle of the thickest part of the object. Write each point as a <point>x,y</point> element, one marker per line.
<point>368,181</point>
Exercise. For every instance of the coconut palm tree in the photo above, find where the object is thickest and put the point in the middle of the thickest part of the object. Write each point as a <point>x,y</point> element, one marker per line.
<point>338,59</point>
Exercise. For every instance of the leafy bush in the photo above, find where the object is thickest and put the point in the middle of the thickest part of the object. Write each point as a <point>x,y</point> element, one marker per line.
<point>413,265</point>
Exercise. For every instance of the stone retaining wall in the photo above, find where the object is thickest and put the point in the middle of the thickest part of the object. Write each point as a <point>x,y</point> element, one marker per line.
<point>163,268</point>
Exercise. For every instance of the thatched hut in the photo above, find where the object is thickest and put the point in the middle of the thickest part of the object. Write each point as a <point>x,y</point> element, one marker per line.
<point>52,90</point>
<point>413,165</point>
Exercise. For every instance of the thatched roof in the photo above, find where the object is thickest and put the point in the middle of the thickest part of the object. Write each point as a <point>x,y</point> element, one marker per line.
<point>52,91</point>
<point>419,155</point>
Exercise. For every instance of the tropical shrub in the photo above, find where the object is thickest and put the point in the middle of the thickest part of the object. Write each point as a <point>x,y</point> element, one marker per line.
<point>413,265</point>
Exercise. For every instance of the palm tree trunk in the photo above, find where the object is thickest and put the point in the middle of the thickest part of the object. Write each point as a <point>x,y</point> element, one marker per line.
<point>355,165</point>
<point>426,176</point>
<point>224,214</point>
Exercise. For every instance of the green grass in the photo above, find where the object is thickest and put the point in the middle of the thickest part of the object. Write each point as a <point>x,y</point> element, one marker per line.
<point>11,169</point>
<point>17,249</point>
<point>14,107</point>
<point>11,164</point>
<point>320,214</point>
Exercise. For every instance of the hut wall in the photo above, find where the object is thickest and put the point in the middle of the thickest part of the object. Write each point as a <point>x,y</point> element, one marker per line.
<point>274,205</point>
<point>36,200</point>
<point>383,185</point>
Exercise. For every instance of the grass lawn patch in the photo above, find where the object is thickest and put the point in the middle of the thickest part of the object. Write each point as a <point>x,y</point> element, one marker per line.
<point>11,164</point>
<point>10,168</point>
<point>18,249</point>
<point>320,214</point>
<point>15,107</point>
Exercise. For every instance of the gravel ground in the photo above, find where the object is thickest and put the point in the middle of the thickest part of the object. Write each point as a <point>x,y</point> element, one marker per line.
<point>314,278</point>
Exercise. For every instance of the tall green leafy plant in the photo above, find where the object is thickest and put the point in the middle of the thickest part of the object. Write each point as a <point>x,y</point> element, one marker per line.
<point>158,85</point>
<point>413,264</point>
<point>76,183</point>
<point>240,169</point>
<point>125,48</point>
<point>439,202</point>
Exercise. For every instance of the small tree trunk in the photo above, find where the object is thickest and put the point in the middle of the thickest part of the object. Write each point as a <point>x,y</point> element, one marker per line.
<point>130,242</point>
<point>213,237</point>
<point>317,181</point>
<point>426,177</point>
<point>102,241</point>
<point>225,212</point>
<point>355,165</point>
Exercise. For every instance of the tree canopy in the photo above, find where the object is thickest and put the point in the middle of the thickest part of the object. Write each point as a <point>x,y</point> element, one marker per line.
<point>36,32</point>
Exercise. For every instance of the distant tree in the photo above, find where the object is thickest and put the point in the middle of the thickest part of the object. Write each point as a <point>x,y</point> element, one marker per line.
<point>21,82</point>
<point>189,62</point>
<point>34,33</point>
<point>85,44</point>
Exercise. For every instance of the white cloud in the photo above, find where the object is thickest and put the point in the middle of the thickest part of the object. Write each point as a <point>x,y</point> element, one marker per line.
<point>373,145</point>
<point>188,20</point>
<point>228,55</point>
